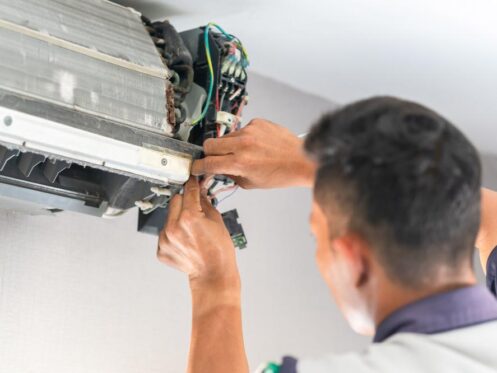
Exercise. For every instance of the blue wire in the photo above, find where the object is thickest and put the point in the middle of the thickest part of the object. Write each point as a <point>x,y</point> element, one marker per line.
<point>228,196</point>
<point>208,55</point>
<point>229,36</point>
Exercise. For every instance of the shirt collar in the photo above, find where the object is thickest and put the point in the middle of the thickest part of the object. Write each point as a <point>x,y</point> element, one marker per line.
<point>441,312</point>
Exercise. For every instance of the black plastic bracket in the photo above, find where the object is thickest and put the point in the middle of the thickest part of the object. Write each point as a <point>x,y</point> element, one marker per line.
<point>153,222</point>
<point>53,168</point>
<point>7,154</point>
<point>29,161</point>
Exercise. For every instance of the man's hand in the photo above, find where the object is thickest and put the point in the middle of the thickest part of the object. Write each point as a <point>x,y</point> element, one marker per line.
<point>261,155</point>
<point>195,241</point>
<point>487,236</point>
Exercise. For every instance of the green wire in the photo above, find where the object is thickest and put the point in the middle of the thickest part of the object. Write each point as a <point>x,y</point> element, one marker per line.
<point>211,70</point>
<point>209,63</point>
<point>230,38</point>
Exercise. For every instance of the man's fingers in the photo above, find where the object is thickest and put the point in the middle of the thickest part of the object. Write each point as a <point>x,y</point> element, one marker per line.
<point>216,165</point>
<point>191,195</point>
<point>162,250</point>
<point>220,146</point>
<point>174,210</point>
<point>209,210</point>
<point>198,167</point>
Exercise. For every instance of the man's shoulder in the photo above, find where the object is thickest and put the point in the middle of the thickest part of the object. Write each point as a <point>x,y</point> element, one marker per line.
<point>410,352</point>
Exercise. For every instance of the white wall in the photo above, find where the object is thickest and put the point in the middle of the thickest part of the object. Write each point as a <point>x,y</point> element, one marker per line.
<point>81,294</point>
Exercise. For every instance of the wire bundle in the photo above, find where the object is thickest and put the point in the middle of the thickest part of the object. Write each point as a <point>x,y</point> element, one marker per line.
<point>231,38</point>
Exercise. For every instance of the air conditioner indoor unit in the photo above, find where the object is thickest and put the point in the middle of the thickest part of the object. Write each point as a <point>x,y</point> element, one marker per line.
<point>102,110</point>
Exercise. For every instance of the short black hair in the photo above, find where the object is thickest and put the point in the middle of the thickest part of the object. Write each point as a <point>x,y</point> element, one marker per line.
<point>409,180</point>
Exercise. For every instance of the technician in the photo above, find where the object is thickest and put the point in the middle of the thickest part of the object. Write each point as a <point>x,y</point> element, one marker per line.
<point>396,213</point>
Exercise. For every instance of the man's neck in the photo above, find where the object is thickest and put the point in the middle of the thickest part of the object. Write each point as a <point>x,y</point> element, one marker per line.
<point>393,297</point>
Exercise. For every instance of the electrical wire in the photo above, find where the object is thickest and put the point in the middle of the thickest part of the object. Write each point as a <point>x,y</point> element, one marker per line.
<point>232,38</point>
<point>219,103</point>
<point>237,92</point>
<point>224,190</point>
<point>209,63</point>
<point>238,114</point>
<point>222,100</point>
<point>228,196</point>
<point>211,71</point>
<point>217,99</point>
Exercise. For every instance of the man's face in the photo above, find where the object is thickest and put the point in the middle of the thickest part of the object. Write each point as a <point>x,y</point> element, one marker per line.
<point>340,265</point>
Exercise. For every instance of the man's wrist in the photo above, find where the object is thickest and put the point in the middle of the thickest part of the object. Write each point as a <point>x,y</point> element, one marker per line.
<point>303,169</point>
<point>302,172</point>
<point>308,173</point>
<point>214,294</point>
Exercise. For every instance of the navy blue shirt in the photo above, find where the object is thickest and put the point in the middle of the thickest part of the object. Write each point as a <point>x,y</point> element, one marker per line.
<point>492,271</point>
<point>442,312</point>
<point>446,311</point>
<point>438,313</point>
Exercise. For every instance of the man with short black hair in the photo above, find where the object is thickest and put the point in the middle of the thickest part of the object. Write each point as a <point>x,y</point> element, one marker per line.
<point>396,213</point>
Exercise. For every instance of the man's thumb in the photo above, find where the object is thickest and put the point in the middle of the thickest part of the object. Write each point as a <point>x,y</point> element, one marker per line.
<point>198,167</point>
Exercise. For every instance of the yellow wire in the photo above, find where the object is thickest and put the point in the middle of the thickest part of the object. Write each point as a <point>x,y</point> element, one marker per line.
<point>211,71</point>
<point>208,53</point>
<point>209,63</point>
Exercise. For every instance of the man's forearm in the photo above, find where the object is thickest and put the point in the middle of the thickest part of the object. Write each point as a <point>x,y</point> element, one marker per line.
<point>303,171</point>
<point>487,236</point>
<point>217,337</point>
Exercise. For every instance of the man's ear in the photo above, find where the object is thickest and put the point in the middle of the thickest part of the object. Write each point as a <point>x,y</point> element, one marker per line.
<point>356,255</point>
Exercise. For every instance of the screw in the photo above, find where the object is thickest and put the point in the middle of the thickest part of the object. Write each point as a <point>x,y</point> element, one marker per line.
<point>7,120</point>
<point>164,161</point>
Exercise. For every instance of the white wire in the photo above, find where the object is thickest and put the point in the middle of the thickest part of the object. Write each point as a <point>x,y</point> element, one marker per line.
<point>237,92</point>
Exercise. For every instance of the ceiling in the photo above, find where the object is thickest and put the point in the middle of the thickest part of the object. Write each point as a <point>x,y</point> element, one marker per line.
<point>442,53</point>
